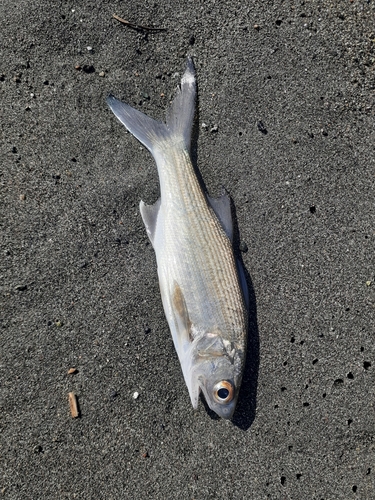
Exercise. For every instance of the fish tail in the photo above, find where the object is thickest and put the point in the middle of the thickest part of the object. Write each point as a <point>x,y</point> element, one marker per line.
<point>180,116</point>
<point>179,121</point>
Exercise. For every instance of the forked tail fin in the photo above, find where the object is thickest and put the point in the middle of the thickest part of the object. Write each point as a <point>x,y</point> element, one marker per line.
<point>179,121</point>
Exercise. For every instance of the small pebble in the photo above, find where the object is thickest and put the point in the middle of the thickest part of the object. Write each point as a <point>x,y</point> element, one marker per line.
<point>262,128</point>
<point>20,288</point>
<point>204,125</point>
<point>88,68</point>
<point>22,197</point>
<point>89,49</point>
<point>136,395</point>
<point>243,247</point>
<point>368,283</point>
<point>214,129</point>
<point>102,74</point>
<point>71,371</point>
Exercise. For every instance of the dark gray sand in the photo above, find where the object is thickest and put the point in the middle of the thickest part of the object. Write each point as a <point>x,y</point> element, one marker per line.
<point>286,91</point>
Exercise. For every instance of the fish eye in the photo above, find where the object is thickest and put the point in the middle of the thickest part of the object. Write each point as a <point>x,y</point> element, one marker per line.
<point>224,391</point>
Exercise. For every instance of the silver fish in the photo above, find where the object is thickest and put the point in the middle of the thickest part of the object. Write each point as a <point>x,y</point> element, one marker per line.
<point>202,284</point>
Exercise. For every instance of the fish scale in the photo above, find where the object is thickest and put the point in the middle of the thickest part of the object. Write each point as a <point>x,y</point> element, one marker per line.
<point>207,233</point>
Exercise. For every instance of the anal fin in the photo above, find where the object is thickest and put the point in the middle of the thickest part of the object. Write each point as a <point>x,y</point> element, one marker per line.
<point>150,216</point>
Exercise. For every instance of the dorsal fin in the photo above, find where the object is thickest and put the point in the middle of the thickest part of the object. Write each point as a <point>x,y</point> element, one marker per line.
<point>222,209</point>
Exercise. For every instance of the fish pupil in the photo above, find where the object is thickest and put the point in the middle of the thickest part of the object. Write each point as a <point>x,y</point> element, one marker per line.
<point>223,393</point>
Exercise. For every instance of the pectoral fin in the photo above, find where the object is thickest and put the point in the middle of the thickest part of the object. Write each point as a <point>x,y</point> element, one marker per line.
<point>181,314</point>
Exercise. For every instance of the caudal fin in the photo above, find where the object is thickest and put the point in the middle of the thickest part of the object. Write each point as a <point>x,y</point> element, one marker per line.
<point>180,116</point>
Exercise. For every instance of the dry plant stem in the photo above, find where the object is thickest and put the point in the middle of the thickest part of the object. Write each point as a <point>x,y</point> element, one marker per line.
<point>137,26</point>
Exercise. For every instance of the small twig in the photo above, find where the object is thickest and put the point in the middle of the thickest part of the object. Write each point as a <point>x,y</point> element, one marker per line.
<point>137,26</point>
<point>74,410</point>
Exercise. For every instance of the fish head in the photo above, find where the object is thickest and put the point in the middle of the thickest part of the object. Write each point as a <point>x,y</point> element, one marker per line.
<point>217,373</point>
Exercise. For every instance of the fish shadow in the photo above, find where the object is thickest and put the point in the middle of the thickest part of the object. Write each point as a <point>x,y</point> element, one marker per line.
<point>244,414</point>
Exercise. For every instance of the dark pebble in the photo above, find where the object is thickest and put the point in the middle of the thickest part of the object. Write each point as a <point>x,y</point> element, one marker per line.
<point>262,128</point>
<point>20,288</point>
<point>338,382</point>
<point>88,68</point>
<point>243,247</point>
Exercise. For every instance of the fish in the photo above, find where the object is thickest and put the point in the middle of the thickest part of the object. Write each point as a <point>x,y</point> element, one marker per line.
<point>202,283</point>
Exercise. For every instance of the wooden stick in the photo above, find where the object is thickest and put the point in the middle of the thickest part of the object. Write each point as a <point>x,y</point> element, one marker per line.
<point>74,411</point>
<point>137,26</point>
